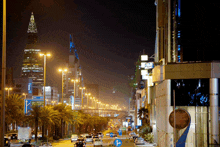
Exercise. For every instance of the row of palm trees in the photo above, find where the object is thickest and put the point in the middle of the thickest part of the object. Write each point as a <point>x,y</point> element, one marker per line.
<point>59,120</point>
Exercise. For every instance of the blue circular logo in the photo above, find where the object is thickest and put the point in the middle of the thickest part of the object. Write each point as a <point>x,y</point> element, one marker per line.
<point>111,134</point>
<point>117,142</point>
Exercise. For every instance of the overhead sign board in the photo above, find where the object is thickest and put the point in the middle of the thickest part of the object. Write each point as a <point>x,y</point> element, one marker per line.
<point>143,64</point>
<point>37,97</point>
<point>144,72</point>
<point>144,57</point>
<point>149,65</point>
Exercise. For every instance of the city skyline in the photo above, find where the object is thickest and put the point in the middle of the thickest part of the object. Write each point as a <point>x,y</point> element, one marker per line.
<point>104,63</point>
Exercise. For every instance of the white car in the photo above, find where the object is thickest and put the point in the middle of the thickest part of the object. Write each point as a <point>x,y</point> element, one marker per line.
<point>89,138</point>
<point>84,135</point>
<point>100,135</point>
<point>74,137</point>
<point>39,134</point>
<point>97,142</point>
<point>139,141</point>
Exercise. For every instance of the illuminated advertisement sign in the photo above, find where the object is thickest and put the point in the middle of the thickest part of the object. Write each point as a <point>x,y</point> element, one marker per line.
<point>144,72</point>
<point>29,88</point>
<point>144,57</point>
<point>149,65</point>
<point>143,64</point>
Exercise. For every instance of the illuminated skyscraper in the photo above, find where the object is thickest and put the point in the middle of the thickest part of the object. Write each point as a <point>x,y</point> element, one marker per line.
<point>32,66</point>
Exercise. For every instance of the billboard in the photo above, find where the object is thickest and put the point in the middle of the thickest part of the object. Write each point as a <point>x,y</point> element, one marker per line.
<point>190,92</point>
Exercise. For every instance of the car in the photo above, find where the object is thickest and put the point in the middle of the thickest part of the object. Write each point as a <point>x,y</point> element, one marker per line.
<point>89,138</point>
<point>39,135</point>
<point>132,134</point>
<point>139,141</point>
<point>114,135</point>
<point>134,137</point>
<point>107,134</point>
<point>83,135</point>
<point>27,145</point>
<point>7,142</point>
<point>97,142</point>
<point>80,142</point>
<point>13,136</point>
<point>100,135</point>
<point>95,136</point>
<point>74,137</point>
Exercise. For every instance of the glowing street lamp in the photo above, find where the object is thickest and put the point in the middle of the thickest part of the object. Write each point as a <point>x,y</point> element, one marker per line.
<point>75,81</point>
<point>45,55</point>
<point>25,95</point>
<point>8,88</point>
<point>62,70</point>
<point>82,94</point>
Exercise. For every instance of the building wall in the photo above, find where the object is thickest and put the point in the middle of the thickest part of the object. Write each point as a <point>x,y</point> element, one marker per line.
<point>163,109</point>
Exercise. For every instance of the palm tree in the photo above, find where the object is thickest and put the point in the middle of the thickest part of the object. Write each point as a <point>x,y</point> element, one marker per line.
<point>66,115</point>
<point>143,115</point>
<point>14,109</point>
<point>35,114</point>
<point>49,117</point>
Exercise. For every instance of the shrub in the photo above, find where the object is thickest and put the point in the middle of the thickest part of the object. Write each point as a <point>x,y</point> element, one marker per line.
<point>145,129</point>
<point>149,137</point>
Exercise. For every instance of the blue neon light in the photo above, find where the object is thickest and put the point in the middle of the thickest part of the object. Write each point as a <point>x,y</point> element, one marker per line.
<point>72,47</point>
<point>29,88</point>
<point>179,8</point>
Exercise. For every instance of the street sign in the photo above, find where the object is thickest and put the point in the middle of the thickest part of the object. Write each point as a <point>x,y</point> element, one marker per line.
<point>111,134</point>
<point>120,132</point>
<point>117,142</point>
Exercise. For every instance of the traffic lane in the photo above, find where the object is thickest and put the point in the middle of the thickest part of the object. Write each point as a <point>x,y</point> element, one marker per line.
<point>68,143</point>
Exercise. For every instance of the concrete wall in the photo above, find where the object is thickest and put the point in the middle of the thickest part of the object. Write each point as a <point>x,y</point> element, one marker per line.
<point>163,109</point>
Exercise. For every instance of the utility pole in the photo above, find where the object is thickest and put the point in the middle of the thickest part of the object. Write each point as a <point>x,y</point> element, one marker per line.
<point>2,130</point>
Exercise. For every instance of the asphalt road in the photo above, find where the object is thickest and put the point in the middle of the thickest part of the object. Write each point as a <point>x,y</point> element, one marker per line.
<point>106,142</point>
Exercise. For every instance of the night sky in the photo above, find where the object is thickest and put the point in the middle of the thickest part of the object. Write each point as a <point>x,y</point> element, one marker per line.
<point>109,36</point>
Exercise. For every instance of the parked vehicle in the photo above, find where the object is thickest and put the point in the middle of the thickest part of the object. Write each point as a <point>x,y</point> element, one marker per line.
<point>100,135</point>
<point>95,136</point>
<point>114,135</point>
<point>139,141</point>
<point>84,135</point>
<point>27,145</point>
<point>134,137</point>
<point>89,138</point>
<point>80,142</point>
<point>7,142</point>
<point>107,134</point>
<point>13,135</point>
<point>97,142</point>
<point>74,137</point>
<point>39,135</point>
<point>24,134</point>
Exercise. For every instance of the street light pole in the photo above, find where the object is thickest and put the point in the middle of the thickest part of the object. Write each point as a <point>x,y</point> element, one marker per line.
<point>45,55</point>
<point>62,87</point>
<point>75,81</point>
<point>2,126</point>
<point>82,95</point>
<point>62,70</point>
<point>87,94</point>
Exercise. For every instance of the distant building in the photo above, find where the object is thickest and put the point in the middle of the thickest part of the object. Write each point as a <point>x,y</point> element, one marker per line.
<point>51,94</point>
<point>32,66</point>
<point>74,72</point>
